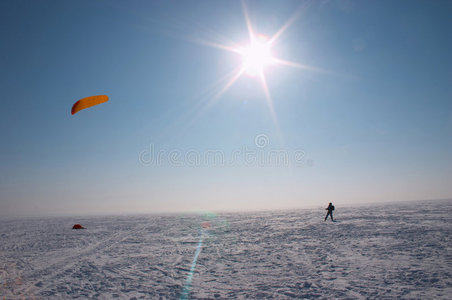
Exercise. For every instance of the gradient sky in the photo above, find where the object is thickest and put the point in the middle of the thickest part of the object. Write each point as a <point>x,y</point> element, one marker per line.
<point>373,119</point>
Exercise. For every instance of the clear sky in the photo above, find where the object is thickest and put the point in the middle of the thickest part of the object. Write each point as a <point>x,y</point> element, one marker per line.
<point>359,105</point>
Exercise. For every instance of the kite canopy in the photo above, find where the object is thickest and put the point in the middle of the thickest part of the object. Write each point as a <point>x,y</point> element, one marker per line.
<point>78,226</point>
<point>88,102</point>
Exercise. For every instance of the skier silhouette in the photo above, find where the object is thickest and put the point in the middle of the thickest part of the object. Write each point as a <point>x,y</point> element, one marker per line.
<point>330,209</point>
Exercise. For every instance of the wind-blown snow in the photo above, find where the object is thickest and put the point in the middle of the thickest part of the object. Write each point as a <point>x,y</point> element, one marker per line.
<point>387,251</point>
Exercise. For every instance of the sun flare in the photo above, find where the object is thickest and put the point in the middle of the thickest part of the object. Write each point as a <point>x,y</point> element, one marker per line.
<point>256,56</point>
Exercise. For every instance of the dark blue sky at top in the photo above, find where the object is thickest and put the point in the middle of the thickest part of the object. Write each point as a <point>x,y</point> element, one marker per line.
<point>375,126</point>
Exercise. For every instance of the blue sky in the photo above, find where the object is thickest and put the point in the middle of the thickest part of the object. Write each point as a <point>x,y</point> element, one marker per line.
<point>374,124</point>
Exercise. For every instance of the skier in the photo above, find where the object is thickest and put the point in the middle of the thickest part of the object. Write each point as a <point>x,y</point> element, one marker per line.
<point>330,209</point>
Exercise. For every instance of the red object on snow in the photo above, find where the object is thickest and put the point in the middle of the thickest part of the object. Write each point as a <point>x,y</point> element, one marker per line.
<point>206,225</point>
<point>78,226</point>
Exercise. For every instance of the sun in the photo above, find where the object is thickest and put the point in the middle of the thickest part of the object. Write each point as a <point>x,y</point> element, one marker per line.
<point>256,56</point>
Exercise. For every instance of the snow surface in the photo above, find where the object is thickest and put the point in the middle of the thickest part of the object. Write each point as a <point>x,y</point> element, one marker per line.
<point>387,251</point>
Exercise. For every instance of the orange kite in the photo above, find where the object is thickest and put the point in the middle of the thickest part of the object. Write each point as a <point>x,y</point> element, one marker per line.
<point>88,102</point>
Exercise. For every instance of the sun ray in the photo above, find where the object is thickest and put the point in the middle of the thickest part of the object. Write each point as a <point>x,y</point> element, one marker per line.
<point>299,66</point>
<point>215,36</point>
<point>213,39</point>
<point>217,45</point>
<point>210,90</point>
<point>228,85</point>
<point>268,98</point>
<point>213,95</point>
<point>289,22</point>
<point>205,98</point>
<point>248,22</point>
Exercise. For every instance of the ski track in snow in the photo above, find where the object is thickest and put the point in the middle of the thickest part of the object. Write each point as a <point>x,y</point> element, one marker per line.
<point>388,251</point>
